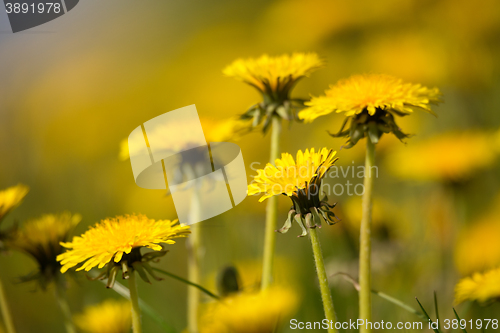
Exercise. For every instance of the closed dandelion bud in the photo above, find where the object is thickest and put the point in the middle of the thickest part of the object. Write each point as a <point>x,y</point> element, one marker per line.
<point>480,287</point>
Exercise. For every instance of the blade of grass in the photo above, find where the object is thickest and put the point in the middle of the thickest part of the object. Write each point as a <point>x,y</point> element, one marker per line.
<point>436,309</point>
<point>400,304</point>
<point>458,318</point>
<point>427,316</point>
<point>209,293</point>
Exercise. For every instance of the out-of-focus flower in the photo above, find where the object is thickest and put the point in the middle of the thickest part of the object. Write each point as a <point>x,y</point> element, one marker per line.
<point>249,274</point>
<point>224,130</point>
<point>41,238</point>
<point>478,248</point>
<point>448,157</point>
<point>12,197</point>
<point>274,78</point>
<point>249,312</point>
<point>479,287</point>
<point>370,102</point>
<point>117,243</point>
<point>301,181</point>
<point>387,219</point>
<point>110,316</point>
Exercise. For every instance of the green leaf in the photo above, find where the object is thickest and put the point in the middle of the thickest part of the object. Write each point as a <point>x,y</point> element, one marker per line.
<point>281,111</point>
<point>373,132</point>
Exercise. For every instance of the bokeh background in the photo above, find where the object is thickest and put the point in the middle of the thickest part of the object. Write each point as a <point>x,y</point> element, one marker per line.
<point>73,88</point>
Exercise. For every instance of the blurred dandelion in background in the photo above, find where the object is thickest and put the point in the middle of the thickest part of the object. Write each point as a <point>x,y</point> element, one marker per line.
<point>110,316</point>
<point>449,157</point>
<point>41,238</point>
<point>249,311</point>
<point>481,287</point>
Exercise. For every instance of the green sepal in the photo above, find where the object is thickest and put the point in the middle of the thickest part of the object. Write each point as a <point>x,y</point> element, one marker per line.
<point>373,132</point>
<point>153,255</point>
<point>112,276</point>
<point>298,219</point>
<point>151,272</point>
<point>309,223</point>
<point>125,274</point>
<point>142,274</point>
<point>316,217</point>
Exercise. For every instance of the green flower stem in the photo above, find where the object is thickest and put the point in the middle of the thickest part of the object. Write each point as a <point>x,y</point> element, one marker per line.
<point>123,291</point>
<point>193,247</point>
<point>134,299</point>
<point>271,212</point>
<point>365,311</point>
<point>62,300</point>
<point>326,296</point>
<point>4,307</point>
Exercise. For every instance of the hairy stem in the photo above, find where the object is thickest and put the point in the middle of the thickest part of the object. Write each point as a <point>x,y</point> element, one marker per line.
<point>134,299</point>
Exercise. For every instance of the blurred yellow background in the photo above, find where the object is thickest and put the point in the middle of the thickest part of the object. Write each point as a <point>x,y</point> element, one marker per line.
<point>73,88</point>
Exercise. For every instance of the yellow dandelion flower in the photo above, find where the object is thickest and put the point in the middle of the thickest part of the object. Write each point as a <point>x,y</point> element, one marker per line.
<point>249,312</point>
<point>12,197</point>
<point>448,157</point>
<point>110,316</point>
<point>479,287</point>
<point>371,101</point>
<point>300,180</point>
<point>371,92</point>
<point>274,78</point>
<point>273,74</point>
<point>41,239</point>
<point>118,241</point>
